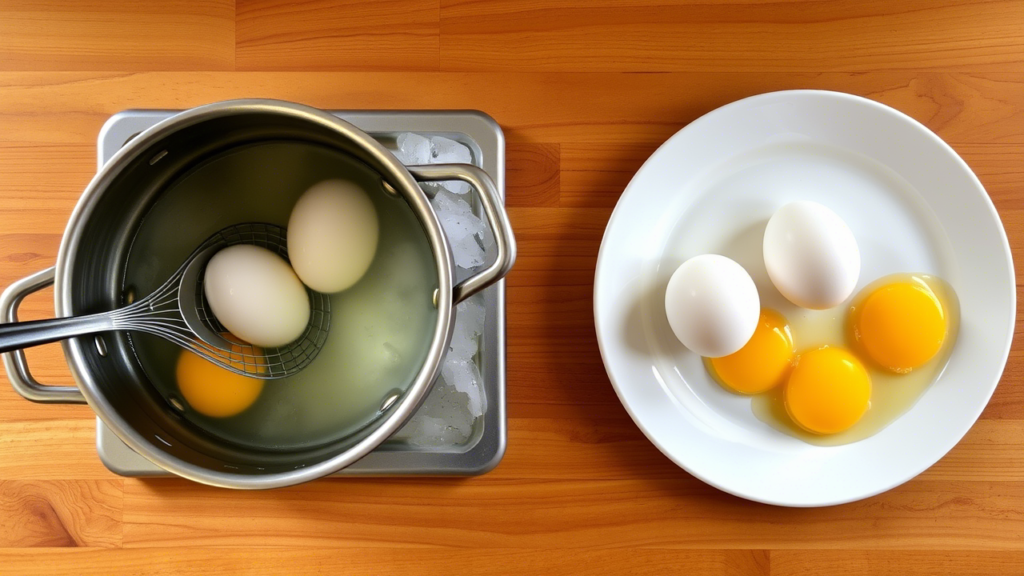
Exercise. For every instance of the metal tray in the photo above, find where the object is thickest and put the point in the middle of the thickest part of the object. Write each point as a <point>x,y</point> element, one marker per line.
<point>486,446</point>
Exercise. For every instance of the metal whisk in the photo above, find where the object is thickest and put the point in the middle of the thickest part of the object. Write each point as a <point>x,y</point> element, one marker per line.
<point>177,311</point>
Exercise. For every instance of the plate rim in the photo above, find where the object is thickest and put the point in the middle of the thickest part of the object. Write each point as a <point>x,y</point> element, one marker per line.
<point>899,116</point>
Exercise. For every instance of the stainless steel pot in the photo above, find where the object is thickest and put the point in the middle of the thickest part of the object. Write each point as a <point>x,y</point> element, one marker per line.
<point>90,268</point>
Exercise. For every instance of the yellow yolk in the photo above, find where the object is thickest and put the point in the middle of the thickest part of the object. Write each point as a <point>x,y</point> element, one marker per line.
<point>212,390</point>
<point>900,326</point>
<point>763,361</point>
<point>828,391</point>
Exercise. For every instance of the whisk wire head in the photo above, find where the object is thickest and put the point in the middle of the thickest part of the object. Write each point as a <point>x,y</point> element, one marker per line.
<point>179,312</point>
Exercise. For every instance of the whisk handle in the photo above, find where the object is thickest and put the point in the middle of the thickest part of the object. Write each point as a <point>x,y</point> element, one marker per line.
<point>18,335</point>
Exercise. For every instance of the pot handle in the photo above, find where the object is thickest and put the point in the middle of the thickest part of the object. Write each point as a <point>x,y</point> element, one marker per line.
<point>497,218</point>
<point>15,361</point>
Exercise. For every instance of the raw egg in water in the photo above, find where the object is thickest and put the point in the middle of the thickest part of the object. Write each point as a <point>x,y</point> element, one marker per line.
<point>212,390</point>
<point>828,391</point>
<point>762,363</point>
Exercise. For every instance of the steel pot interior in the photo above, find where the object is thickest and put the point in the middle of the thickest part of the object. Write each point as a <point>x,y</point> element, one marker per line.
<point>91,265</point>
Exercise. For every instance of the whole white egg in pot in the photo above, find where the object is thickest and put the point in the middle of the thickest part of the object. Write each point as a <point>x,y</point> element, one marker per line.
<point>332,235</point>
<point>811,255</point>
<point>255,294</point>
<point>712,305</point>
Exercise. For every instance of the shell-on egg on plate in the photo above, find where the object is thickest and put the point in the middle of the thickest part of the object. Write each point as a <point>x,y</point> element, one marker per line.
<point>818,377</point>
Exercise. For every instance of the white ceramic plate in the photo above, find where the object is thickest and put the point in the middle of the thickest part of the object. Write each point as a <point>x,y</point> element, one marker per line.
<point>914,206</point>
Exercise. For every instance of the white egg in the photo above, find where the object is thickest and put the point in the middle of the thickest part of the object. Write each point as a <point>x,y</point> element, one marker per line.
<point>712,305</point>
<point>256,295</point>
<point>332,235</point>
<point>811,255</point>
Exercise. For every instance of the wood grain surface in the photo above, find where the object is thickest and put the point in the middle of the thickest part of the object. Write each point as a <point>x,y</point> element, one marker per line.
<point>584,91</point>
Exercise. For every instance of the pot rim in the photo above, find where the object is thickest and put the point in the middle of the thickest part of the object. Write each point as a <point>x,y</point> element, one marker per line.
<point>397,416</point>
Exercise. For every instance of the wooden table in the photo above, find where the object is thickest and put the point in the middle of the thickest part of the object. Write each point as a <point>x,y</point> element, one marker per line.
<point>584,95</point>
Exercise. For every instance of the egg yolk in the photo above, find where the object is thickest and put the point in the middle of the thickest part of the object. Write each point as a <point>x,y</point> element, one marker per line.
<point>900,326</point>
<point>212,390</point>
<point>828,391</point>
<point>763,361</point>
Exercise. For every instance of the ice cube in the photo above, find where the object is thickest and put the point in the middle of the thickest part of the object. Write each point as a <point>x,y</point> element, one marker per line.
<point>425,430</point>
<point>464,376</point>
<point>453,202</point>
<point>464,341</point>
<point>447,416</point>
<point>433,427</point>
<point>442,420</point>
<point>446,202</point>
<point>452,406</point>
<point>487,239</point>
<point>456,186</point>
<point>474,224</point>
<point>448,151</point>
<point>413,149</point>
<point>457,219</point>
<point>468,253</point>
<point>470,314</point>
<point>431,188</point>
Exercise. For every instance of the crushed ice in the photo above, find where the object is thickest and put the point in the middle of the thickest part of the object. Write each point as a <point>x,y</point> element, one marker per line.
<point>447,416</point>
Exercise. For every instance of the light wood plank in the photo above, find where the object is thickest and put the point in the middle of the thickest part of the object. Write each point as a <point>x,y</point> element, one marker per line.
<point>886,563</point>
<point>679,512</point>
<point>991,450</point>
<point>70,107</point>
<point>532,173</point>
<point>60,513</point>
<point>382,562</point>
<point>595,175</point>
<point>552,348</point>
<point>657,36</point>
<point>52,449</point>
<point>557,246</point>
<point>117,35</point>
<point>41,184</point>
<point>333,35</point>
<point>557,362</point>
